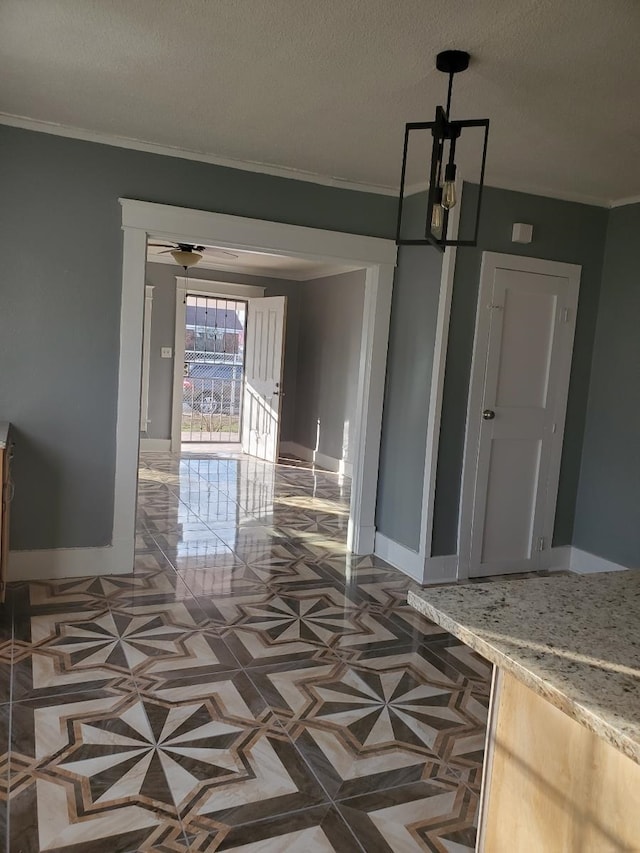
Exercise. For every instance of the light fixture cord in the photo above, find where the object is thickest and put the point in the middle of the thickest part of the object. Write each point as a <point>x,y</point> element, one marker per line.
<point>449,91</point>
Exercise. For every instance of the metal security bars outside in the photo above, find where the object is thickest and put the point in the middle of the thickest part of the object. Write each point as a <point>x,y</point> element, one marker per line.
<point>213,369</point>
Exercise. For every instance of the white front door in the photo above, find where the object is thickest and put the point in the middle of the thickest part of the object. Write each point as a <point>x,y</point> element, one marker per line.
<point>520,381</point>
<point>264,358</point>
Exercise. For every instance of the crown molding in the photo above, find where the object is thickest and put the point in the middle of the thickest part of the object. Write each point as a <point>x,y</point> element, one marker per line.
<point>623,202</point>
<point>528,189</point>
<point>70,132</point>
<point>547,192</point>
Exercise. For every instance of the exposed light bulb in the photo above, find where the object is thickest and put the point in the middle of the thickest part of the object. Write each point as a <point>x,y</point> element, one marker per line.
<point>449,195</point>
<point>437,216</point>
<point>437,213</point>
<point>449,187</point>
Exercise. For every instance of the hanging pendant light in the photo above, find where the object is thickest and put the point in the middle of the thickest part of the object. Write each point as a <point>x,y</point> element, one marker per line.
<point>441,194</point>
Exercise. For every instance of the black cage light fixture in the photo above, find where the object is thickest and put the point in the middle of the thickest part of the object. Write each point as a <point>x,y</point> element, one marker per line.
<point>441,193</point>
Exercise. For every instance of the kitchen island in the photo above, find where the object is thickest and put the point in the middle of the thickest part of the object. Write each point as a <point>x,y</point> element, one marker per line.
<point>562,758</point>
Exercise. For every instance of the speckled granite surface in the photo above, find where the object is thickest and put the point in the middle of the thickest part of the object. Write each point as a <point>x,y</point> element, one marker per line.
<point>574,639</point>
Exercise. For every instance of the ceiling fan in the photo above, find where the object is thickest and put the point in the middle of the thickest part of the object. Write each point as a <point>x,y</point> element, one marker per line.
<point>188,255</point>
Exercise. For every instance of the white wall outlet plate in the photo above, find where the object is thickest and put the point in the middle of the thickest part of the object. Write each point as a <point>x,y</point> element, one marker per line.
<point>166,352</point>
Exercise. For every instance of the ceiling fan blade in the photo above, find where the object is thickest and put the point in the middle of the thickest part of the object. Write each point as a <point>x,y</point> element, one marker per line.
<point>221,253</point>
<point>165,245</point>
<point>167,252</point>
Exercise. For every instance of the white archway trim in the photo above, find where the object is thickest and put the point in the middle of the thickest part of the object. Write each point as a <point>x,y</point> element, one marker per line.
<point>377,256</point>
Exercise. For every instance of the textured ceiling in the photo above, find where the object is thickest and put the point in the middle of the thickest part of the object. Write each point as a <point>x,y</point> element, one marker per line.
<point>325,86</point>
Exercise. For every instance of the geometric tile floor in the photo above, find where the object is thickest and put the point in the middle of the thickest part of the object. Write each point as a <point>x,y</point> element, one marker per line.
<point>249,687</point>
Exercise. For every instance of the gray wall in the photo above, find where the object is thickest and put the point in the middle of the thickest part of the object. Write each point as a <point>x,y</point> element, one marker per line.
<point>408,386</point>
<point>563,231</point>
<point>59,324</point>
<point>59,334</point>
<point>607,521</point>
<point>163,320</point>
<point>331,310</point>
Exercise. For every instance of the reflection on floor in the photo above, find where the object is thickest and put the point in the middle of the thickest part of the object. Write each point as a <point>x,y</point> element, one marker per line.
<point>249,686</point>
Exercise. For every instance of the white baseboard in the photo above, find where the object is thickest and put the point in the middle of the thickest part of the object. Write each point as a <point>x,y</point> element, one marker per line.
<point>433,570</point>
<point>361,541</point>
<point>568,558</point>
<point>155,445</point>
<point>54,563</point>
<point>557,559</point>
<point>585,564</point>
<point>408,561</point>
<point>338,466</point>
<point>440,570</point>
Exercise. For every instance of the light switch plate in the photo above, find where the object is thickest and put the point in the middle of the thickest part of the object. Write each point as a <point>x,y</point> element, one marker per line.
<point>521,233</point>
<point>166,352</point>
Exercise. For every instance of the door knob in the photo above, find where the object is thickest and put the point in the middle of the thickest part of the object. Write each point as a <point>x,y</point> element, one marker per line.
<point>488,414</point>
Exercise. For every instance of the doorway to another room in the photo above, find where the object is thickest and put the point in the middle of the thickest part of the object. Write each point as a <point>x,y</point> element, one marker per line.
<point>272,244</point>
<point>247,461</point>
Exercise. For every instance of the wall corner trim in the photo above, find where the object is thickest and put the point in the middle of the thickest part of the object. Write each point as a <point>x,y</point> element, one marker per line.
<point>439,570</point>
<point>436,395</point>
<point>557,559</point>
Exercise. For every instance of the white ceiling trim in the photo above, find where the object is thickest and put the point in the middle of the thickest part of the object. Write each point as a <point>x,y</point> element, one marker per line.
<point>201,156</point>
<point>622,202</point>
<point>561,195</point>
<point>545,192</point>
<point>280,171</point>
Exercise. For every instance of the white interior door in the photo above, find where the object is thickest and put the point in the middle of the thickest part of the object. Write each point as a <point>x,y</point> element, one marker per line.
<point>264,360</point>
<point>522,363</point>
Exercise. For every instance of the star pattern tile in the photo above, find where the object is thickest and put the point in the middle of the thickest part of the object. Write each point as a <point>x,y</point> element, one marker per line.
<point>250,686</point>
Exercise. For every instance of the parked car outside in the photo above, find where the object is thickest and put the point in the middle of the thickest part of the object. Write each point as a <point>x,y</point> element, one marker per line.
<point>212,387</point>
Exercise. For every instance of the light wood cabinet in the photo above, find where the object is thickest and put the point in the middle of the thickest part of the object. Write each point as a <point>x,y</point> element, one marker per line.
<point>551,785</point>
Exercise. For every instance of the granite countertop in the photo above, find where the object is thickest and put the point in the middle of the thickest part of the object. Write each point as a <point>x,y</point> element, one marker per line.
<point>574,639</point>
<point>4,433</point>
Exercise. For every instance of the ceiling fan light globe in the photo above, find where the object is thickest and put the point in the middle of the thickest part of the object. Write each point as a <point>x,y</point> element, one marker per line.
<point>186,259</point>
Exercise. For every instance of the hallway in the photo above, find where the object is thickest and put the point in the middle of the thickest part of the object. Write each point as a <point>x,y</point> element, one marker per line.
<point>250,686</point>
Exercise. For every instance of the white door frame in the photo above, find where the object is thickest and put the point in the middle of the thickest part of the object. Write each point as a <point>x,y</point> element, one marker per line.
<point>376,255</point>
<point>490,262</point>
<point>199,287</point>
<point>146,357</point>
